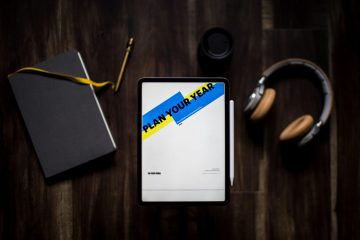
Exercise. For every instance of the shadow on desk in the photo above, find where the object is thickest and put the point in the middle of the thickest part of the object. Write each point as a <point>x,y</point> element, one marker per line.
<point>96,165</point>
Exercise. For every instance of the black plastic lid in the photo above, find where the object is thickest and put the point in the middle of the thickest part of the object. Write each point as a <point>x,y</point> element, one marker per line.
<point>215,49</point>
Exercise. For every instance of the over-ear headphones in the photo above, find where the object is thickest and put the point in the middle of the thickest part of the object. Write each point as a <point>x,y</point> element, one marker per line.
<point>262,98</point>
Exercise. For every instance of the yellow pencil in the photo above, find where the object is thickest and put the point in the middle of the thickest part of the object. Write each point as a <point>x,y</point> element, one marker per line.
<point>123,65</point>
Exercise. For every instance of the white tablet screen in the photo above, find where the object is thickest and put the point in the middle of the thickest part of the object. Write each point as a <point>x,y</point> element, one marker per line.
<point>183,142</point>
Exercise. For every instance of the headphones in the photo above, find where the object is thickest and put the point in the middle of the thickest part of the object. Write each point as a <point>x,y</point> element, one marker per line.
<point>303,128</point>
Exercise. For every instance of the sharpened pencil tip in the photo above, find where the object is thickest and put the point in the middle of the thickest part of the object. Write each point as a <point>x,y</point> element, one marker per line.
<point>131,41</point>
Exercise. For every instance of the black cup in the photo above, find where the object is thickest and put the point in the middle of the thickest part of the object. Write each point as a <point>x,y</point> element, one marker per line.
<point>215,50</point>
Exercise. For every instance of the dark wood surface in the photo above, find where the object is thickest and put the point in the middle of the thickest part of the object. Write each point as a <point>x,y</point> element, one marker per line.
<point>279,193</point>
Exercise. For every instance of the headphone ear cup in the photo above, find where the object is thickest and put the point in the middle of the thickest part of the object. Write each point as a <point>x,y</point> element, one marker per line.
<point>297,128</point>
<point>264,105</point>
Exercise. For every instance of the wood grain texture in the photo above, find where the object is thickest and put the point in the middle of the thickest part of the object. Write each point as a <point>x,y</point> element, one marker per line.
<point>279,192</point>
<point>345,17</point>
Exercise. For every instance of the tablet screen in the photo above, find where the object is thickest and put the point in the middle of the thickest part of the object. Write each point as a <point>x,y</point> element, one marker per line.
<point>183,141</point>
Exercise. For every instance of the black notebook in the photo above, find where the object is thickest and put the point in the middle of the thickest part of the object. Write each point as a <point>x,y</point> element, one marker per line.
<point>64,119</point>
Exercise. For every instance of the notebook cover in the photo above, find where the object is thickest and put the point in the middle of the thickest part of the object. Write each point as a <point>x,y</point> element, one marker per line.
<point>64,119</point>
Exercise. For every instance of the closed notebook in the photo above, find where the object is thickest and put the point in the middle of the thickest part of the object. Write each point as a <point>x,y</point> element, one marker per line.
<point>64,119</point>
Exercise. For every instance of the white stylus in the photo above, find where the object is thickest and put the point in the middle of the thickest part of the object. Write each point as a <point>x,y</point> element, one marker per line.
<point>232,132</point>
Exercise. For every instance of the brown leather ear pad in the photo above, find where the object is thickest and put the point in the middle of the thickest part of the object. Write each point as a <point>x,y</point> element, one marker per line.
<point>297,128</point>
<point>264,105</point>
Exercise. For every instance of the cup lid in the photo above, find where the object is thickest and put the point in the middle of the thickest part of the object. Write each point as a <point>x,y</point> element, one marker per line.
<point>216,43</point>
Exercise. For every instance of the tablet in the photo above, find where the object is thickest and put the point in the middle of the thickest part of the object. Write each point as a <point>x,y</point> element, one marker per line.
<point>183,137</point>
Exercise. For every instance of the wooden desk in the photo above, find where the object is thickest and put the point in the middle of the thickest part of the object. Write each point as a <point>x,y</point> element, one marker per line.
<point>278,194</point>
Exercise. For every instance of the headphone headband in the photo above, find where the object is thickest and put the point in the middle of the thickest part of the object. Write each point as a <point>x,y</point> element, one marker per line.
<point>325,85</point>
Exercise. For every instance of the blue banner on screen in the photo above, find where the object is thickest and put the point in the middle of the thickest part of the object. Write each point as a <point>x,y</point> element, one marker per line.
<point>179,107</point>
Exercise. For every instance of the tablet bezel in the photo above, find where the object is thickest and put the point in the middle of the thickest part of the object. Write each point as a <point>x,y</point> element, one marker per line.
<point>227,137</point>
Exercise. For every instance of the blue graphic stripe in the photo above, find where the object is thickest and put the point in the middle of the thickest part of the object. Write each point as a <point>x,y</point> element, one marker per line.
<point>181,111</point>
<point>162,108</point>
<point>199,103</point>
